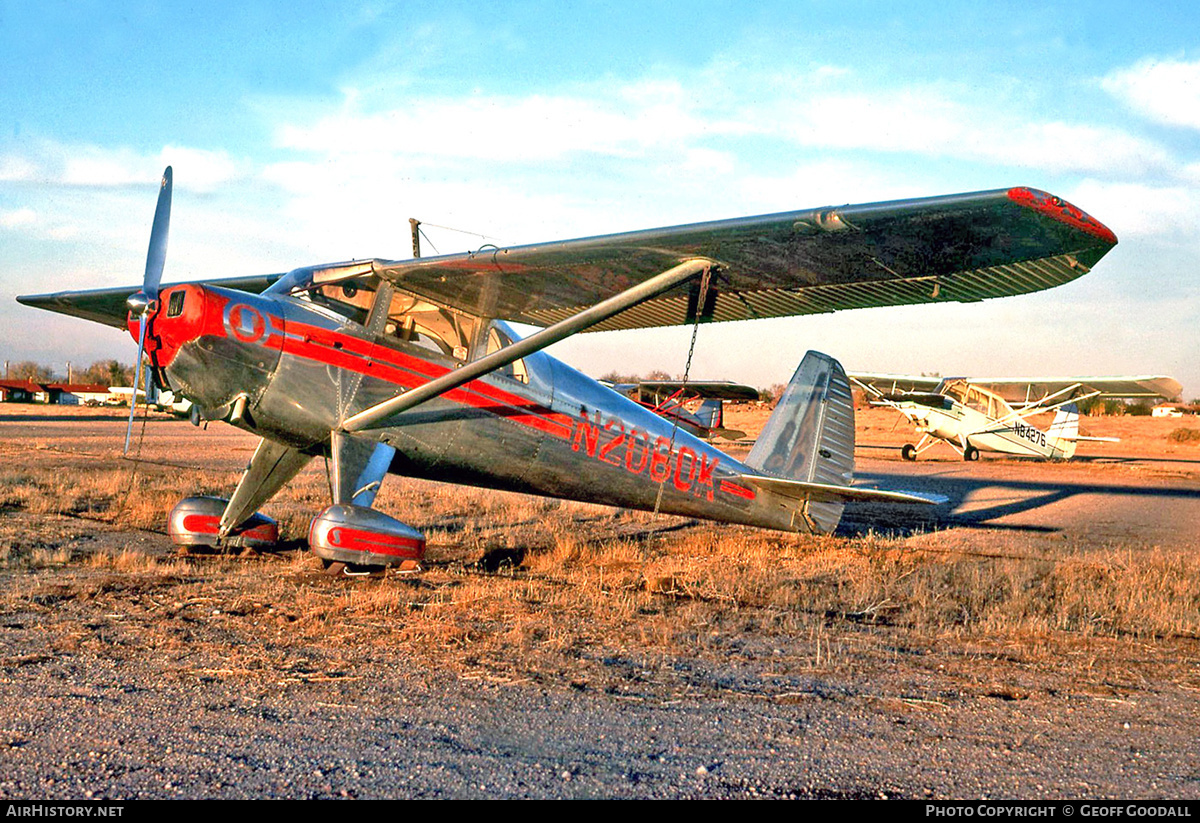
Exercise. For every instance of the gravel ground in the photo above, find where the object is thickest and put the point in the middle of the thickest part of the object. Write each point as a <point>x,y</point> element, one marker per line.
<point>97,728</point>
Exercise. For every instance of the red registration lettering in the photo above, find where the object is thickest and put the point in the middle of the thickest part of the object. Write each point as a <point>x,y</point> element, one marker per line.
<point>684,483</point>
<point>631,448</point>
<point>587,434</point>
<point>705,477</point>
<point>612,444</point>
<point>660,461</point>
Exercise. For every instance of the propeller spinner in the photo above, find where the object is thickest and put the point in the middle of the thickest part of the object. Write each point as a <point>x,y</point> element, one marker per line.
<point>144,304</point>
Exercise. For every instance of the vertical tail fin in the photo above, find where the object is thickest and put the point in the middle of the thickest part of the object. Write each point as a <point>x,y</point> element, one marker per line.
<point>711,413</point>
<point>810,435</point>
<point>1063,433</point>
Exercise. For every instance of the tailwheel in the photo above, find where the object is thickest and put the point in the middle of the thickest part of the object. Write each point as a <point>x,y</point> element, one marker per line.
<point>970,453</point>
<point>908,451</point>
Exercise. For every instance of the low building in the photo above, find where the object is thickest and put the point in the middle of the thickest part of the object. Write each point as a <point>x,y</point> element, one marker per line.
<point>1170,410</point>
<point>19,391</point>
<point>77,394</point>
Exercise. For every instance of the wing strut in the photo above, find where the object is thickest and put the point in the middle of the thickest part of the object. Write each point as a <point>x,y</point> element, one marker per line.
<point>375,416</point>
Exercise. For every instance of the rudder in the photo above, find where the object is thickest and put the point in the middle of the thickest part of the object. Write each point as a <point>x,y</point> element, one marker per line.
<point>1063,434</point>
<point>810,435</point>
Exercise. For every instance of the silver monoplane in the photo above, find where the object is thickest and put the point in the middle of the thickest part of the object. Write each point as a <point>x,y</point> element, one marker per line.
<point>411,367</point>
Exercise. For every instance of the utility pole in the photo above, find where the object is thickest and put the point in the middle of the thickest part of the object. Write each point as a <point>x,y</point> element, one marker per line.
<point>415,224</point>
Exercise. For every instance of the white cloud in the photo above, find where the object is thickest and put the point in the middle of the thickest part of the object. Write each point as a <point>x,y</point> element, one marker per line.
<point>932,124</point>
<point>202,170</point>
<point>16,218</point>
<point>14,168</point>
<point>1166,91</point>
<point>705,123</point>
<point>529,129</point>
<point>95,166</point>
<point>1140,209</point>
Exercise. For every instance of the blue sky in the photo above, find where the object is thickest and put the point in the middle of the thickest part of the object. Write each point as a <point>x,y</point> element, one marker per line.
<point>303,133</point>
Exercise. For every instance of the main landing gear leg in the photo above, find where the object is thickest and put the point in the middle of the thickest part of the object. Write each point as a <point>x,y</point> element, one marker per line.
<point>214,523</point>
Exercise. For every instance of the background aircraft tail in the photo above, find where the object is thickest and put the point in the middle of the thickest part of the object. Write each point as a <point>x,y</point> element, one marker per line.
<point>1063,434</point>
<point>711,413</point>
<point>810,435</point>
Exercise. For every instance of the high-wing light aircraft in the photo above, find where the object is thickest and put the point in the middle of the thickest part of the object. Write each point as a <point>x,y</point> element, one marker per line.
<point>411,367</point>
<point>671,399</point>
<point>992,414</point>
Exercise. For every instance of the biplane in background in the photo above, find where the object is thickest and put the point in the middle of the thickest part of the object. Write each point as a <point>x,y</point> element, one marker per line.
<point>696,406</point>
<point>992,414</point>
<point>410,366</point>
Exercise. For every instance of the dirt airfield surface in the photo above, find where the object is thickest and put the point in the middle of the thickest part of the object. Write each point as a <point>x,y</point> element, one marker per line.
<point>1035,637</point>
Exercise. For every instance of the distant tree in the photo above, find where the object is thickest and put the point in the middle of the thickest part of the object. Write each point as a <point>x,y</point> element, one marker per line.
<point>772,393</point>
<point>107,373</point>
<point>29,370</point>
<point>1141,409</point>
<point>618,377</point>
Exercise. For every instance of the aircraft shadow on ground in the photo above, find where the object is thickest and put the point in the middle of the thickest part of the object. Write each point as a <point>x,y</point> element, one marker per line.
<point>860,518</point>
<point>947,457</point>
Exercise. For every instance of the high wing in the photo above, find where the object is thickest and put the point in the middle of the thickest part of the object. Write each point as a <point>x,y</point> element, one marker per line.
<point>896,383</point>
<point>107,306</point>
<point>707,389</point>
<point>1034,389</point>
<point>963,247</point>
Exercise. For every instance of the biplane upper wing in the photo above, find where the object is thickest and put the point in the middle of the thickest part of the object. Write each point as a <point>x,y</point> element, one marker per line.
<point>1034,389</point>
<point>963,247</point>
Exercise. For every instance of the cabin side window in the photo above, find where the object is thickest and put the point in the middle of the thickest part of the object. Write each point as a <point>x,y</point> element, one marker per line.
<point>977,400</point>
<point>350,297</point>
<point>956,392</point>
<point>497,340</point>
<point>419,322</point>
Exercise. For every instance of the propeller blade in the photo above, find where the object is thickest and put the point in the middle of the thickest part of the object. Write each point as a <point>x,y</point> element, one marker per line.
<point>156,256</point>
<point>145,303</point>
<point>137,373</point>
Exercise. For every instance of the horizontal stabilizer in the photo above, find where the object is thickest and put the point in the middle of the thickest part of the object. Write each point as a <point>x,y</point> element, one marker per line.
<point>828,492</point>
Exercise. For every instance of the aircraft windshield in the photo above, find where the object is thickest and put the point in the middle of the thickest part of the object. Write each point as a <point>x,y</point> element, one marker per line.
<point>348,290</point>
<point>352,290</point>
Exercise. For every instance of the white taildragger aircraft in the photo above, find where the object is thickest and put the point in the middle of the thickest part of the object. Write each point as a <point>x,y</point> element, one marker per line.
<point>992,413</point>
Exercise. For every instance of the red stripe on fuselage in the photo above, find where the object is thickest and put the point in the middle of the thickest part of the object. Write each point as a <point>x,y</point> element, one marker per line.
<point>736,490</point>
<point>397,367</point>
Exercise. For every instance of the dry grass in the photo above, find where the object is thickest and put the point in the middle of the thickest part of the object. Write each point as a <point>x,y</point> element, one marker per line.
<point>590,585</point>
<point>1184,434</point>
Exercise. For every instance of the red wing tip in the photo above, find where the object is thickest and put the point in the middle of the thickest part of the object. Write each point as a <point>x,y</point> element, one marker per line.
<point>1062,211</point>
